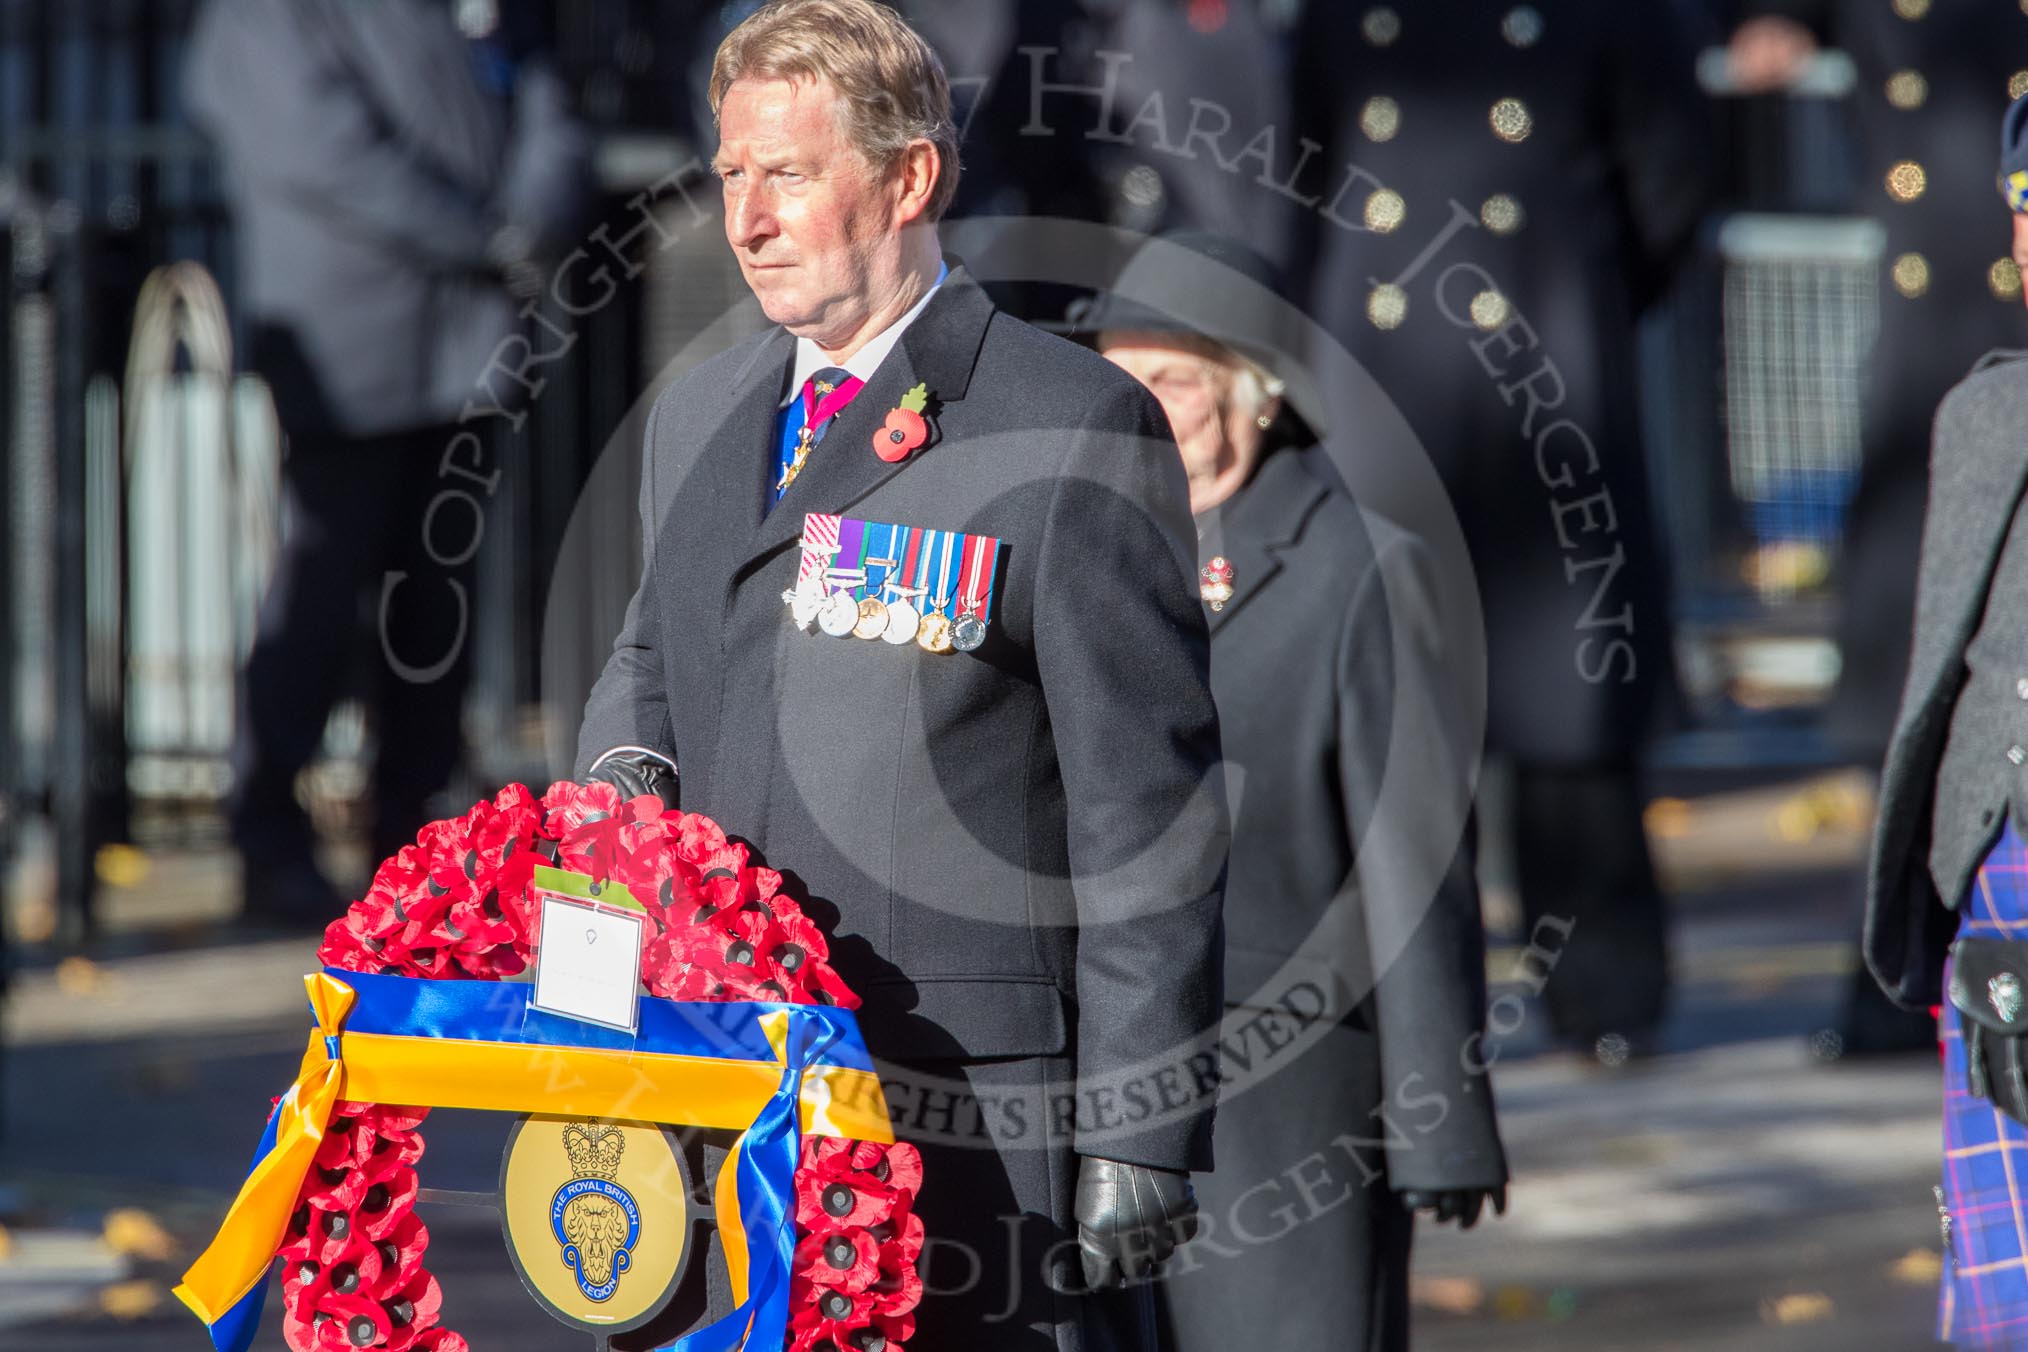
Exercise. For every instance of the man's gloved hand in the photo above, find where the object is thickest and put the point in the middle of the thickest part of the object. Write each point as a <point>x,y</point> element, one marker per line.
<point>1456,1204</point>
<point>1129,1220</point>
<point>635,770</point>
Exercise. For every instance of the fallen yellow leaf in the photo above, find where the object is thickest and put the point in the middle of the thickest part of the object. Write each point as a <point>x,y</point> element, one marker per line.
<point>135,1233</point>
<point>131,1300</point>
<point>1451,1295</point>
<point>121,866</point>
<point>1669,818</point>
<point>1800,1307</point>
<point>1918,1267</point>
<point>79,976</point>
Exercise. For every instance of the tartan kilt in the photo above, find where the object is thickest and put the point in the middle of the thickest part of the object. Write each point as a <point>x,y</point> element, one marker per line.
<point>1984,1301</point>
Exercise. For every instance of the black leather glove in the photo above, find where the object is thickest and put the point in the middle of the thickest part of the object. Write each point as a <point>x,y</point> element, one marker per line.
<point>1456,1204</point>
<point>1129,1220</point>
<point>635,770</point>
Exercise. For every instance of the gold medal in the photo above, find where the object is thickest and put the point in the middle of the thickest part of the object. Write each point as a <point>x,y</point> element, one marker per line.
<point>839,616</point>
<point>872,619</point>
<point>935,634</point>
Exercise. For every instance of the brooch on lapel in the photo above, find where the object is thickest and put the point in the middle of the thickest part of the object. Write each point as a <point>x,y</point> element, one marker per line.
<point>1214,582</point>
<point>905,428</point>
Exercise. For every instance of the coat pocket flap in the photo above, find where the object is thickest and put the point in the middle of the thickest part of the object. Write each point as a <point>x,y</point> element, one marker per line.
<point>963,1019</point>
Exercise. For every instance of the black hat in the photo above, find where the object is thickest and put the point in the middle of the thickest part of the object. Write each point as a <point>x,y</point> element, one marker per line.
<point>1219,289</point>
<point>2014,154</point>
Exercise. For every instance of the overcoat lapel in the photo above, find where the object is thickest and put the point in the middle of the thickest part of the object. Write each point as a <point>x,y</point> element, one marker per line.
<point>937,350</point>
<point>1264,519</point>
<point>1983,499</point>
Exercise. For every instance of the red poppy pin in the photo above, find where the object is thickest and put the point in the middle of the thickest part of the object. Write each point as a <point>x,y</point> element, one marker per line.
<point>905,428</point>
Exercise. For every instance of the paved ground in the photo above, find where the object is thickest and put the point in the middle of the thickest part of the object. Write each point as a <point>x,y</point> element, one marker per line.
<point>1728,1193</point>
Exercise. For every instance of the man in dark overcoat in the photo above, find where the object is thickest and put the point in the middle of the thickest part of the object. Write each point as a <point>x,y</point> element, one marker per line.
<point>1013,822</point>
<point>1319,613</point>
<point>1495,193</point>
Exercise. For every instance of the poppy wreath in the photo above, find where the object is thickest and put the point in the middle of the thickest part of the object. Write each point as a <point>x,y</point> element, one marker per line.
<point>456,905</point>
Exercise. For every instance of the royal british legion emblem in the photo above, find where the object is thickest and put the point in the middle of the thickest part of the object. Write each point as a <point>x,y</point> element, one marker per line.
<point>595,1219</point>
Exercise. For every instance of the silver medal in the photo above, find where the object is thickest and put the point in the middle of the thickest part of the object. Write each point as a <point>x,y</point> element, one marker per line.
<point>839,614</point>
<point>806,603</point>
<point>968,634</point>
<point>902,621</point>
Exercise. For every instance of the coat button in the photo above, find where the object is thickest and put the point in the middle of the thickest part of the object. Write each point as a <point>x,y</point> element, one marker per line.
<point>2016,754</point>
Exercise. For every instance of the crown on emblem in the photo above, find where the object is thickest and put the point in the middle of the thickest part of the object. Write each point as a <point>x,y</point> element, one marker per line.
<point>594,1149</point>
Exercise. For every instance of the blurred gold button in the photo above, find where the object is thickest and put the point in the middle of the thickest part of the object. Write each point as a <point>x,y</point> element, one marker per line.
<point>1511,121</point>
<point>1911,275</point>
<point>1381,25</point>
<point>1907,90</point>
<point>1906,181</point>
<point>1387,306</point>
<point>1380,119</point>
<point>1502,215</point>
<point>1911,9</point>
<point>1522,26</point>
<point>2004,277</point>
<point>1490,310</point>
<point>1385,210</point>
<point>2017,84</point>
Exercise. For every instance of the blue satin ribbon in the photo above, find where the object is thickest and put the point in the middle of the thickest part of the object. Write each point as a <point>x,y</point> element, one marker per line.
<point>768,1155</point>
<point>769,1150</point>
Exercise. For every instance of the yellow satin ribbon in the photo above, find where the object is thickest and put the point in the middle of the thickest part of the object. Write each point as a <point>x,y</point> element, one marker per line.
<point>456,1073</point>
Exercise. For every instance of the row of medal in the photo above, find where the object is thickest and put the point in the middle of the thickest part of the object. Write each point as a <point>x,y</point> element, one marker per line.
<point>895,584</point>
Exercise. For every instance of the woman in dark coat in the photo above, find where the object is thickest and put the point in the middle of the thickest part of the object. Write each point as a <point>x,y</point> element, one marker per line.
<point>1350,1102</point>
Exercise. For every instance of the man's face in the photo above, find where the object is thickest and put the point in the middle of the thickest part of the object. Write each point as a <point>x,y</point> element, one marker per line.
<point>811,222</point>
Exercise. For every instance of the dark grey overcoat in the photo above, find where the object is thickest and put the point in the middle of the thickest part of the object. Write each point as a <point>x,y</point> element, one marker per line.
<point>370,165</point>
<point>1977,473</point>
<point>1303,1232</point>
<point>1019,851</point>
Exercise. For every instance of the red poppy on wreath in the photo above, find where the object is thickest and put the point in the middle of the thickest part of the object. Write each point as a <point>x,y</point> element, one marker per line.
<point>845,1258</point>
<point>904,429</point>
<point>456,905</point>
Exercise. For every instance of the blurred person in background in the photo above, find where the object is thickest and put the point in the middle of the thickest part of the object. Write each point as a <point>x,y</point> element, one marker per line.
<point>1949,865</point>
<point>1498,192</point>
<point>1932,78</point>
<point>1032,77</point>
<point>1304,594</point>
<point>396,167</point>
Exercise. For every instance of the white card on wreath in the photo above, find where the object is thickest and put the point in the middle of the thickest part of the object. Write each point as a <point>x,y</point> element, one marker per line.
<point>588,963</point>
